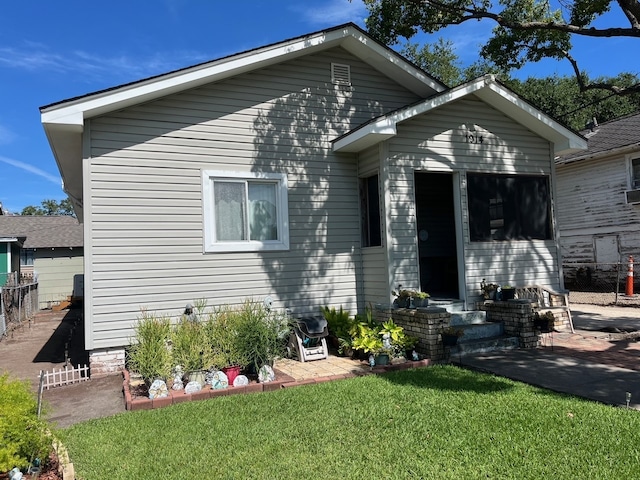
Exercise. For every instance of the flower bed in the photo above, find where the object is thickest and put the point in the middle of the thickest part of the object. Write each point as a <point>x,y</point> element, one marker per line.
<point>137,398</point>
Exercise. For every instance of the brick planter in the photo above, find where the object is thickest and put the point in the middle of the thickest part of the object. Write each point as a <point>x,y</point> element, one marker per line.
<point>423,323</point>
<point>517,316</point>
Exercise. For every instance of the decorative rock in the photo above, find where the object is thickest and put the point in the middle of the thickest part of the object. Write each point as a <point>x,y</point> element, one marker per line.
<point>208,377</point>
<point>192,387</point>
<point>266,374</point>
<point>158,389</point>
<point>15,474</point>
<point>220,381</point>
<point>177,378</point>
<point>240,381</point>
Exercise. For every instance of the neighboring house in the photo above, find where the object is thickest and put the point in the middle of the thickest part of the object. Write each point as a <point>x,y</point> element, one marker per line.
<point>598,203</point>
<point>47,247</point>
<point>322,170</point>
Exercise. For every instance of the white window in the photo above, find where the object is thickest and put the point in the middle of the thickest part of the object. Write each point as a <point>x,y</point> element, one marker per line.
<point>245,211</point>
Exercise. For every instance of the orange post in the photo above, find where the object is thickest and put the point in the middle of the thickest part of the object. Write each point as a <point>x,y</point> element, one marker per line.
<point>629,289</point>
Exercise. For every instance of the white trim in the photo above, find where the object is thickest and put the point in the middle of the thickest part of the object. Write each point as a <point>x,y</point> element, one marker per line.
<point>74,112</point>
<point>87,208</point>
<point>629,158</point>
<point>456,178</point>
<point>489,91</point>
<point>211,245</point>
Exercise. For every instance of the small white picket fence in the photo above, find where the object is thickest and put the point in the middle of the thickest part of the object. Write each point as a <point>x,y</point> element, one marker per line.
<point>63,376</point>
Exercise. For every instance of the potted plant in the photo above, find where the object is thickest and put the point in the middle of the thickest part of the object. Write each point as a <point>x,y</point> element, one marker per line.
<point>489,290</point>
<point>339,323</point>
<point>450,336</point>
<point>149,353</point>
<point>403,297</point>
<point>408,346</point>
<point>545,322</point>
<point>420,299</point>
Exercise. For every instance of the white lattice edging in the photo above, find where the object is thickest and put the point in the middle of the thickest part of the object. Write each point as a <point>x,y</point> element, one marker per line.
<point>66,376</point>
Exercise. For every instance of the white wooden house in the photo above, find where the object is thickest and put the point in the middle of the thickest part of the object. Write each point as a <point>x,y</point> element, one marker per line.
<point>322,170</point>
<point>599,198</point>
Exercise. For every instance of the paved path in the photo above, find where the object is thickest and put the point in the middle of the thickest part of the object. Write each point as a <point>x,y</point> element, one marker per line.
<point>595,364</point>
<point>40,345</point>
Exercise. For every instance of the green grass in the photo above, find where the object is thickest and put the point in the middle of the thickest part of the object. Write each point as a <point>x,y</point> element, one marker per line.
<point>431,423</point>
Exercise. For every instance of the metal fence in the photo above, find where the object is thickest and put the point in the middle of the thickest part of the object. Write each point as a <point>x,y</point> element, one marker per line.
<point>18,302</point>
<point>600,283</point>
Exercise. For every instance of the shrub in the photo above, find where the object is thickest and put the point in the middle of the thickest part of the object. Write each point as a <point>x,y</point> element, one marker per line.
<point>190,346</point>
<point>23,436</point>
<point>149,353</point>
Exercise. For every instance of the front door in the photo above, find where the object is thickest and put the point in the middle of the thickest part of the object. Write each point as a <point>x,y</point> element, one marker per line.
<point>436,225</point>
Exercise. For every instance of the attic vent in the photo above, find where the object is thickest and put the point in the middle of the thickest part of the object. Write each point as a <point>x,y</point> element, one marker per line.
<point>340,74</point>
<point>633,196</point>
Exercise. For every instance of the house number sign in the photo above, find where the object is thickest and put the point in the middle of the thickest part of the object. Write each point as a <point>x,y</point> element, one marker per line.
<point>474,138</point>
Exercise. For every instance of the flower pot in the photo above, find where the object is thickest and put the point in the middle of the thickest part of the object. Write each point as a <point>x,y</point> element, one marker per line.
<point>543,325</point>
<point>232,372</point>
<point>382,359</point>
<point>420,302</point>
<point>197,376</point>
<point>449,340</point>
<point>402,302</point>
<point>508,294</point>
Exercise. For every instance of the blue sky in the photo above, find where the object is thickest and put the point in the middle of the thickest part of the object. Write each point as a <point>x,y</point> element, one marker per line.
<point>52,51</point>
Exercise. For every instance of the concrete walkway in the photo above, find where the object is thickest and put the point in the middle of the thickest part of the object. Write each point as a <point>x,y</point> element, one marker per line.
<point>598,362</point>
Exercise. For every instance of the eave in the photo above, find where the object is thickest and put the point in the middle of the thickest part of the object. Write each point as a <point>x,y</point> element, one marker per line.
<point>486,88</point>
<point>64,121</point>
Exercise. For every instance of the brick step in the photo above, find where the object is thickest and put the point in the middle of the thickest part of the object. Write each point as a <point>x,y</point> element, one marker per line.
<point>484,345</point>
<point>478,331</point>
<point>459,319</point>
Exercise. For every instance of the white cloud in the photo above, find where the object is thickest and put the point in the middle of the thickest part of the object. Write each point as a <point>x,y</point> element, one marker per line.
<point>39,58</point>
<point>334,12</point>
<point>31,169</point>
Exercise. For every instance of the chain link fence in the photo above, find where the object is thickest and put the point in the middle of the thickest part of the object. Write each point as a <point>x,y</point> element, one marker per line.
<point>600,284</point>
<point>18,302</point>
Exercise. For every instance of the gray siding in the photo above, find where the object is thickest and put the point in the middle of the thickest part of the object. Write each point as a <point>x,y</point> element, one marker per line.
<point>145,200</point>
<point>374,259</point>
<point>437,142</point>
<point>591,202</point>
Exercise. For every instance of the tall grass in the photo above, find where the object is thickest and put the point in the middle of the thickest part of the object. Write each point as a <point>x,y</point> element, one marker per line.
<point>437,422</point>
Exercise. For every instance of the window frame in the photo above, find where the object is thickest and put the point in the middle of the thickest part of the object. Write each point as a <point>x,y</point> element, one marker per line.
<point>366,212</point>
<point>211,245</point>
<point>497,218</point>
<point>634,184</point>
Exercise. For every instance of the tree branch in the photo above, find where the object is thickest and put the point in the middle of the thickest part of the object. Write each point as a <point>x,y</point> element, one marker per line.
<point>466,14</point>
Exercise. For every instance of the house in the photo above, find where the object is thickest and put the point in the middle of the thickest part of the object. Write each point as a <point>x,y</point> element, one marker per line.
<point>49,248</point>
<point>321,170</point>
<point>599,200</point>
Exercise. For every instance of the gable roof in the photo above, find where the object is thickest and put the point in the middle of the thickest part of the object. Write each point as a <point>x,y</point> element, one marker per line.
<point>488,89</point>
<point>615,136</point>
<point>40,231</point>
<point>64,121</point>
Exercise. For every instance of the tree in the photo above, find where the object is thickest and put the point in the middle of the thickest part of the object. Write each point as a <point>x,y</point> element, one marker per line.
<point>559,97</point>
<point>50,207</point>
<point>526,30</point>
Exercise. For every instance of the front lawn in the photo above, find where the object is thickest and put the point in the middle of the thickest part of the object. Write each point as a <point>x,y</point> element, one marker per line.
<point>430,423</point>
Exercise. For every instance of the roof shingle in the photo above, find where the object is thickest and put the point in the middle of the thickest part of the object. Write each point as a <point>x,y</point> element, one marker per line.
<point>43,231</point>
